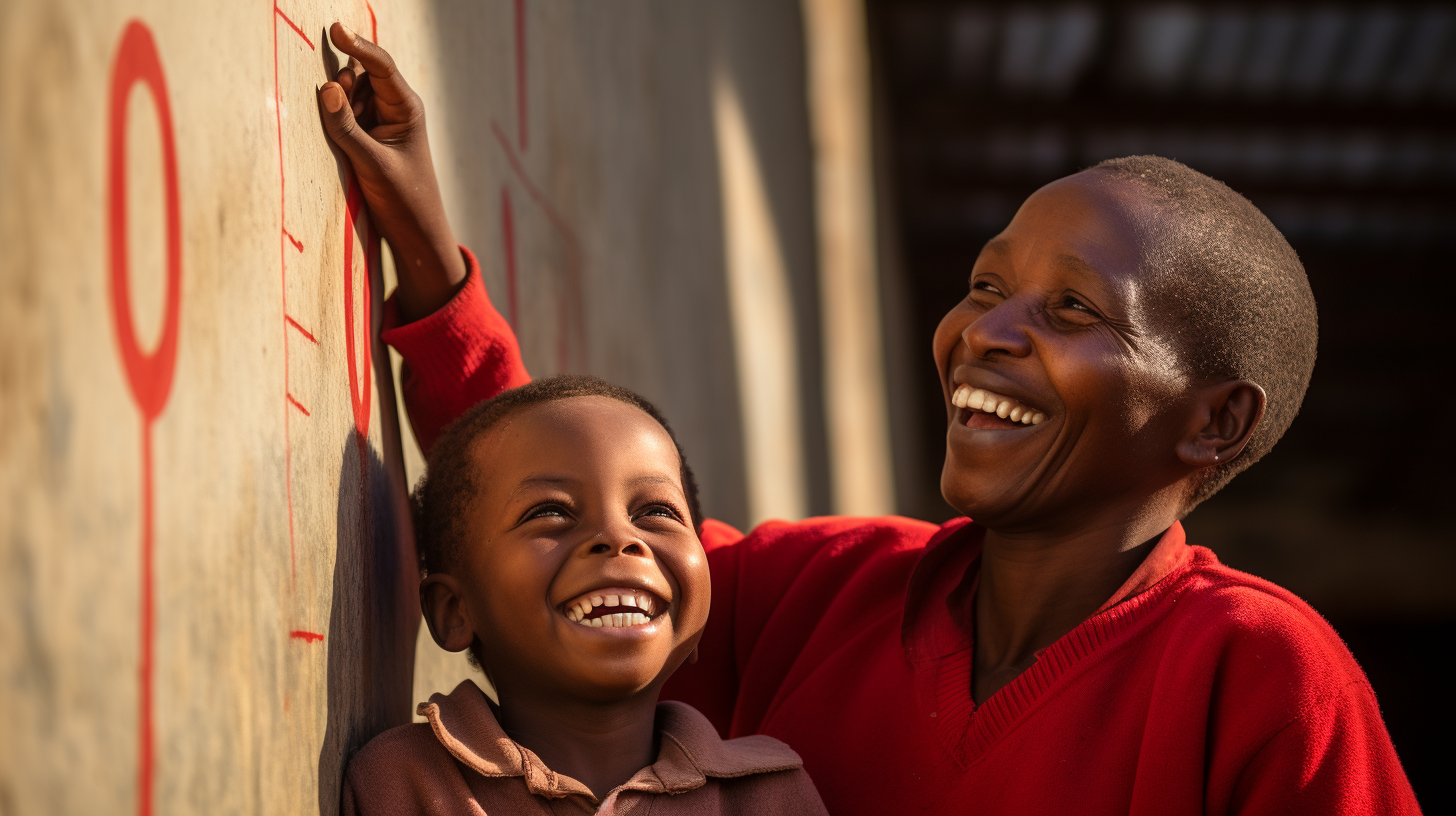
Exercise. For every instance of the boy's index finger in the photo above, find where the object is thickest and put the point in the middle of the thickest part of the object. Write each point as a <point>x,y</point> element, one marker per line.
<point>384,77</point>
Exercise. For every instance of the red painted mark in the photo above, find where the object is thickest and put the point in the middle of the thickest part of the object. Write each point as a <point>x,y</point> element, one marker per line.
<point>306,637</point>
<point>293,26</point>
<point>521,71</point>
<point>373,24</point>
<point>301,330</point>
<point>148,375</point>
<point>360,370</point>
<point>298,405</point>
<point>283,276</point>
<point>571,307</point>
<point>297,244</point>
<point>508,241</point>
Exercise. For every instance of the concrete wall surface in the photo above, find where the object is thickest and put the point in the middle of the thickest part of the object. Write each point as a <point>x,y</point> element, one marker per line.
<point>207,580</point>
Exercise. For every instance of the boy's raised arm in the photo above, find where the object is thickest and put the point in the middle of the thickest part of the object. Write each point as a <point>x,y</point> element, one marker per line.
<point>457,348</point>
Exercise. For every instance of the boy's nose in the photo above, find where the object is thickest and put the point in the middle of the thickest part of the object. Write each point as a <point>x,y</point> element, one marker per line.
<point>1002,330</point>
<point>617,539</point>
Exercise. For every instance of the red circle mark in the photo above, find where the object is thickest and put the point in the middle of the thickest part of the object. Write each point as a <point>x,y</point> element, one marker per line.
<point>360,371</point>
<point>149,375</point>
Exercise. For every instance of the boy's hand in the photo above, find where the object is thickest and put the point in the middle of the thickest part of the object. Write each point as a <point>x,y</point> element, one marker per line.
<point>379,123</point>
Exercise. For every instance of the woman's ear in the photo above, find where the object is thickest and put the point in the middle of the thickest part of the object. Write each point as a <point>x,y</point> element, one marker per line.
<point>1225,418</point>
<point>445,613</point>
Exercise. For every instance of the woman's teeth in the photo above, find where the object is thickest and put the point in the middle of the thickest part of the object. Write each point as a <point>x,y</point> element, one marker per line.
<point>977,399</point>
<point>590,610</point>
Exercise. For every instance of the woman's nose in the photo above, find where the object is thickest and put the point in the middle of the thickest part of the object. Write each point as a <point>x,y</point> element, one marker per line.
<point>1004,329</point>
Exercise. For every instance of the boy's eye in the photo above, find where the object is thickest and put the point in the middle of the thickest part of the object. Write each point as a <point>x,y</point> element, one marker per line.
<point>546,510</point>
<point>661,510</point>
<point>984,286</point>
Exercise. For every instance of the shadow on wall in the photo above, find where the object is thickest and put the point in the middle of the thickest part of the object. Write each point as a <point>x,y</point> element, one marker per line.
<point>370,659</point>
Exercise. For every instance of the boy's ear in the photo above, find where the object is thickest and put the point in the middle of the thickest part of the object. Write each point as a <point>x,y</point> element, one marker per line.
<point>445,613</point>
<point>1225,417</point>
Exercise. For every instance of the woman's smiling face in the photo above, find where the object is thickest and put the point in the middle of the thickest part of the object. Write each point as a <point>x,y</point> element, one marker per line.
<point>581,573</point>
<point>1060,387</point>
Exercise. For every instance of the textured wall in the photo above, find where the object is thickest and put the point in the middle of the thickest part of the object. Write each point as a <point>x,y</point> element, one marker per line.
<point>207,594</point>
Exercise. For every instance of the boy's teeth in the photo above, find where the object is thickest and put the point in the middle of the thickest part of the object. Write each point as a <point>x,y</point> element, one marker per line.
<point>1016,413</point>
<point>616,620</point>
<point>976,400</point>
<point>637,609</point>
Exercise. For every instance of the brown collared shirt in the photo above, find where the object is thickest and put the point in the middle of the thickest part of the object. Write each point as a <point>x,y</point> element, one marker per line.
<point>462,762</point>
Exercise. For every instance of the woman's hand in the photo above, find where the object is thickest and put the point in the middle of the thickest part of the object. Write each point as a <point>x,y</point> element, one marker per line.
<point>371,113</point>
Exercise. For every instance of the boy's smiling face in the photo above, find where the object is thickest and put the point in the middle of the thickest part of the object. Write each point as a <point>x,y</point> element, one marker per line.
<point>581,511</point>
<point>1062,390</point>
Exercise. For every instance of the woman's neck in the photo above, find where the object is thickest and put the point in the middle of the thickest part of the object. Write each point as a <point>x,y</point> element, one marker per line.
<point>599,745</point>
<point>1033,588</point>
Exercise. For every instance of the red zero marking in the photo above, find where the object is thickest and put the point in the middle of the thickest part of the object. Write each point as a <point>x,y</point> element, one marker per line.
<point>360,370</point>
<point>298,405</point>
<point>521,71</point>
<point>508,241</point>
<point>148,375</point>
<point>373,24</point>
<point>291,25</point>
<point>297,244</point>
<point>307,637</point>
<point>301,329</point>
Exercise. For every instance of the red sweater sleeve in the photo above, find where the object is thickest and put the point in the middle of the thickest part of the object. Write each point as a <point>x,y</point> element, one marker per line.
<point>454,358</point>
<point>1336,759</point>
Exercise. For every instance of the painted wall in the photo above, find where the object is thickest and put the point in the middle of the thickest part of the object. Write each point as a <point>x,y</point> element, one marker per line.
<point>207,598</point>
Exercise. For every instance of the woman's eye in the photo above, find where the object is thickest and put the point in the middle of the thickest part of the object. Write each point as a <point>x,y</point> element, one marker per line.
<point>1071,302</point>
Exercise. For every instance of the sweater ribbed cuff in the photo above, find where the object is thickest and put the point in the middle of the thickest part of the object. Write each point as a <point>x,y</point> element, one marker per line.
<point>435,345</point>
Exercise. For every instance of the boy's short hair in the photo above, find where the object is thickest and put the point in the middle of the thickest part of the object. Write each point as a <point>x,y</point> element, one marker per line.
<point>1231,291</point>
<point>442,498</point>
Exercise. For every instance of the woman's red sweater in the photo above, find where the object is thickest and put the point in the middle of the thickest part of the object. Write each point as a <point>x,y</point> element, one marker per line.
<point>1196,689</point>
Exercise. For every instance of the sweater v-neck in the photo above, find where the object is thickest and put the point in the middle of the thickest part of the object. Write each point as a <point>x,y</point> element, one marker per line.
<point>940,646</point>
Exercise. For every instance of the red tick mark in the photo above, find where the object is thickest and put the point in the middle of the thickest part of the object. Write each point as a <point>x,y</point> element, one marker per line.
<point>301,330</point>
<point>297,244</point>
<point>291,25</point>
<point>306,637</point>
<point>298,405</point>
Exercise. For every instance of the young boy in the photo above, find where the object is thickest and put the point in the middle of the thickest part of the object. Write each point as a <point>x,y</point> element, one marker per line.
<point>556,526</point>
<point>1134,338</point>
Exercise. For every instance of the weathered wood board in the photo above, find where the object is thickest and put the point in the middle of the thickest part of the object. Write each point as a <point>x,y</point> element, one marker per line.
<point>208,577</point>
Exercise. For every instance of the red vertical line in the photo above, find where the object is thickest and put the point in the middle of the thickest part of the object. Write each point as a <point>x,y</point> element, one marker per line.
<point>283,274</point>
<point>563,333</point>
<point>144,760</point>
<point>521,71</point>
<point>508,241</point>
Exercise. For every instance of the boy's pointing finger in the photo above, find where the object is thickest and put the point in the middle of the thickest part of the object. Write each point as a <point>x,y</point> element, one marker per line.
<point>384,78</point>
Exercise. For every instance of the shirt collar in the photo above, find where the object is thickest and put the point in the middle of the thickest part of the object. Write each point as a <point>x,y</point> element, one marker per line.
<point>928,629</point>
<point>690,749</point>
